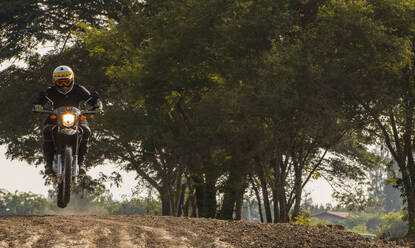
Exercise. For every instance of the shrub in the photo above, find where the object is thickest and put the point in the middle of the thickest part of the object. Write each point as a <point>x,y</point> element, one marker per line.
<point>303,218</point>
<point>392,226</point>
<point>319,222</point>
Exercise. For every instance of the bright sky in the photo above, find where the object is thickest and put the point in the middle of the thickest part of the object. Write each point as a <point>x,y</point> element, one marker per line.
<point>320,192</point>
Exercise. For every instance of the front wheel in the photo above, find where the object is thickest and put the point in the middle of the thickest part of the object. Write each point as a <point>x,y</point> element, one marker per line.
<point>64,187</point>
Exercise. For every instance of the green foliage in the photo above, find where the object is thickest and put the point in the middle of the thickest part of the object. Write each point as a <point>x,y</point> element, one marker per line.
<point>135,206</point>
<point>373,220</point>
<point>98,203</point>
<point>19,203</point>
<point>389,225</point>
<point>213,64</point>
<point>319,222</point>
<point>304,218</point>
<point>26,24</point>
<point>392,226</point>
<point>360,228</point>
<point>362,222</point>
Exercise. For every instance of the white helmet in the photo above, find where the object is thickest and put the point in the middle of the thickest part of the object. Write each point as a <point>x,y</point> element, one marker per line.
<point>63,78</point>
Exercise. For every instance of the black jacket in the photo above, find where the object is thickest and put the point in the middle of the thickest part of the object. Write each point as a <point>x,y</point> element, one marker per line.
<point>78,96</point>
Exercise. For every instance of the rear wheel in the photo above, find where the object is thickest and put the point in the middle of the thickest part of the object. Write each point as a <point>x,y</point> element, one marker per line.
<point>64,188</point>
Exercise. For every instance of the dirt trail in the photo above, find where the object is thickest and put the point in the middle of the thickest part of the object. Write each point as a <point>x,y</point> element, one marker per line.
<point>155,231</point>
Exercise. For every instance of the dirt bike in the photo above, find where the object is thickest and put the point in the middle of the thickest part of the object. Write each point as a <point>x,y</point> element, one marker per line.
<point>66,138</point>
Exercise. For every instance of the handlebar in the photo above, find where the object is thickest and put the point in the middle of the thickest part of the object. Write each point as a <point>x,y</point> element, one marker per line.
<point>89,112</point>
<point>47,111</point>
<point>42,111</point>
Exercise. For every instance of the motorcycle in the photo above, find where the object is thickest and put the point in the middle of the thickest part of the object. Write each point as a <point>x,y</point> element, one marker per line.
<point>66,137</point>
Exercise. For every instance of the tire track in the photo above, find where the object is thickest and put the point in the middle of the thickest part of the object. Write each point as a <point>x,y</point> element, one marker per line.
<point>145,236</point>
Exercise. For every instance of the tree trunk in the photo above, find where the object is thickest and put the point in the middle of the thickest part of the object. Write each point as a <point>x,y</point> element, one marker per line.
<point>275,192</point>
<point>283,205</point>
<point>411,216</point>
<point>258,197</point>
<point>275,200</point>
<point>234,191</point>
<point>186,207</point>
<point>149,200</point>
<point>297,205</point>
<point>165,203</point>
<point>205,191</point>
<point>242,185</point>
<point>190,202</point>
<point>177,194</point>
<point>267,205</point>
<point>181,201</point>
<point>297,191</point>
<point>206,196</point>
<point>409,190</point>
<point>194,207</point>
<point>260,173</point>
<point>200,195</point>
<point>280,198</point>
<point>210,199</point>
<point>229,196</point>
<point>228,205</point>
<point>239,205</point>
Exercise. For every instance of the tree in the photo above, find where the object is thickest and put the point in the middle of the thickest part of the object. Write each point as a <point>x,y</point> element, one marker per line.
<point>261,124</point>
<point>27,24</point>
<point>380,65</point>
<point>21,203</point>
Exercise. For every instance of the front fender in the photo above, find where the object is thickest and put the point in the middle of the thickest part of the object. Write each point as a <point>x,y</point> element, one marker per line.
<point>67,131</point>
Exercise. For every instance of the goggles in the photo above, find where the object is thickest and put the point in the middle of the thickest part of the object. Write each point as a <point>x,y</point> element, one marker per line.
<point>63,82</point>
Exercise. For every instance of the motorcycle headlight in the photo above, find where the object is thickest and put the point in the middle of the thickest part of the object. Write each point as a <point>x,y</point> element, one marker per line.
<point>68,120</point>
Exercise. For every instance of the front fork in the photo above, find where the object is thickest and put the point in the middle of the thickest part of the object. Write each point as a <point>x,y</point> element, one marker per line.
<point>75,169</point>
<point>75,166</point>
<point>58,168</point>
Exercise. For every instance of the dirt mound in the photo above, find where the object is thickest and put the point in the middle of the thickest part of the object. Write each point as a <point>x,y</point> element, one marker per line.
<point>154,231</point>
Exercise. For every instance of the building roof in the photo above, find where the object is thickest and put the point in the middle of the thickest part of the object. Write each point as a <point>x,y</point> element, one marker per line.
<point>342,215</point>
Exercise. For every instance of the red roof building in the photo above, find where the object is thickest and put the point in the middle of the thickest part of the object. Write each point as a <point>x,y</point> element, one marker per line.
<point>332,216</point>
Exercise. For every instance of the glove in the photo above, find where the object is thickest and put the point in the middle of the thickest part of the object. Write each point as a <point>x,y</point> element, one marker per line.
<point>38,107</point>
<point>99,109</point>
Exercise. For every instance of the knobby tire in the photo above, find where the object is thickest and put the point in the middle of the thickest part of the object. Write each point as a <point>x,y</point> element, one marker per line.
<point>64,188</point>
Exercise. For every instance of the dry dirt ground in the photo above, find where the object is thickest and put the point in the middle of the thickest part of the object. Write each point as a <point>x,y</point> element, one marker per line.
<point>155,231</point>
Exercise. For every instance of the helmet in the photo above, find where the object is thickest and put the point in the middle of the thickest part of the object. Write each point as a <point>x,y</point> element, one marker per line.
<point>63,78</point>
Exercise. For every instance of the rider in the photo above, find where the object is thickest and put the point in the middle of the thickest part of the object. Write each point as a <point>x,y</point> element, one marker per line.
<point>65,93</point>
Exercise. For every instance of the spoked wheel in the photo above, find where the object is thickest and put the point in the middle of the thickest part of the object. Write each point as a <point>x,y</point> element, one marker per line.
<point>64,187</point>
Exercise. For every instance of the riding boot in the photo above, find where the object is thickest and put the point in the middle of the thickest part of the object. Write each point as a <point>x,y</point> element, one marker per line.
<point>83,148</point>
<point>49,152</point>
